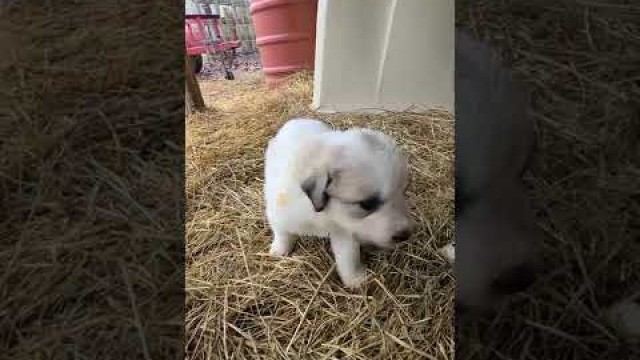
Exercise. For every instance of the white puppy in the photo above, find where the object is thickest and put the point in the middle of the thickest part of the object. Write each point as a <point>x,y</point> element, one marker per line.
<point>345,185</point>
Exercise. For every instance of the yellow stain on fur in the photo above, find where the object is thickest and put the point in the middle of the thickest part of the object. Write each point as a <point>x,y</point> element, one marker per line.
<point>282,199</point>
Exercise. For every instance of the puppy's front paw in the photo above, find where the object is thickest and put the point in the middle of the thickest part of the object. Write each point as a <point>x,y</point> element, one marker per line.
<point>282,244</point>
<point>278,249</point>
<point>355,280</point>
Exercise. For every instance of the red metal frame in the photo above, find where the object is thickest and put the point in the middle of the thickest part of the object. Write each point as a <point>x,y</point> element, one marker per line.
<point>200,42</point>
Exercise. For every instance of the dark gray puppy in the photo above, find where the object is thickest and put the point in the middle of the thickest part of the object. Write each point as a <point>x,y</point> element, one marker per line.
<point>494,138</point>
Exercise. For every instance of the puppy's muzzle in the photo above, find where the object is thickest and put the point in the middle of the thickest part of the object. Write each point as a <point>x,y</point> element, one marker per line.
<point>404,234</point>
<point>401,236</point>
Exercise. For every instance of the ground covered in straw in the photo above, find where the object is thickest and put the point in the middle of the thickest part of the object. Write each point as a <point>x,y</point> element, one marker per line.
<point>91,158</point>
<point>242,303</point>
<point>581,60</point>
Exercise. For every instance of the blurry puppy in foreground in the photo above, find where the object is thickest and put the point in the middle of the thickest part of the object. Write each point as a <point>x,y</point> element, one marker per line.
<point>348,186</point>
<point>495,235</point>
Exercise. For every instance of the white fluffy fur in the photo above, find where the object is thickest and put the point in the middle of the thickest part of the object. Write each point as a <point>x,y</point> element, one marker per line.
<point>359,163</point>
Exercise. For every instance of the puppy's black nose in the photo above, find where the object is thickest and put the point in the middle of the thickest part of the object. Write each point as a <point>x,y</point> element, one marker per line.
<point>514,280</point>
<point>401,236</point>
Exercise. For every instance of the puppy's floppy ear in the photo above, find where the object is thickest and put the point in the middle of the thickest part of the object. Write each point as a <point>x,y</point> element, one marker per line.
<point>315,187</point>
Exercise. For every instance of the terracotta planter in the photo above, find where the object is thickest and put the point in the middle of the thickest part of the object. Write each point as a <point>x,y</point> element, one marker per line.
<point>285,36</point>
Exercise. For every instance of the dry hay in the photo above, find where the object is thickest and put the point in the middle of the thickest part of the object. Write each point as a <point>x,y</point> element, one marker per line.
<point>90,185</point>
<point>581,59</point>
<point>244,304</point>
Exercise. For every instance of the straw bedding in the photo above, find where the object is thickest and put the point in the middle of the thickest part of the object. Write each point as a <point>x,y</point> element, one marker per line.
<point>244,304</point>
<point>90,185</point>
<point>581,60</point>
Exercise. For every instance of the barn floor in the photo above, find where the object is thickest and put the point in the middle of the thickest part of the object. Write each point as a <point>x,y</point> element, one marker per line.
<point>244,304</point>
<point>583,183</point>
<point>580,60</point>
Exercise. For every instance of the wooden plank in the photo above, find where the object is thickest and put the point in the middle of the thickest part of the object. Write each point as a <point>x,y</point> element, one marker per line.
<point>193,96</point>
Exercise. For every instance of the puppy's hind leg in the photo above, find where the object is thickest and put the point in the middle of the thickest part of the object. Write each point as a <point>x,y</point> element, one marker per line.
<point>348,265</point>
<point>282,243</point>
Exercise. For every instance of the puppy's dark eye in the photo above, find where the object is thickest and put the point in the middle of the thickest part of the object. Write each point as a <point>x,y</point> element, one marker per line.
<point>370,204</point>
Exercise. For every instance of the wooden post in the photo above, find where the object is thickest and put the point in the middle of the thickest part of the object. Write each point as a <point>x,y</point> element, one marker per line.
<point>193,96</point>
